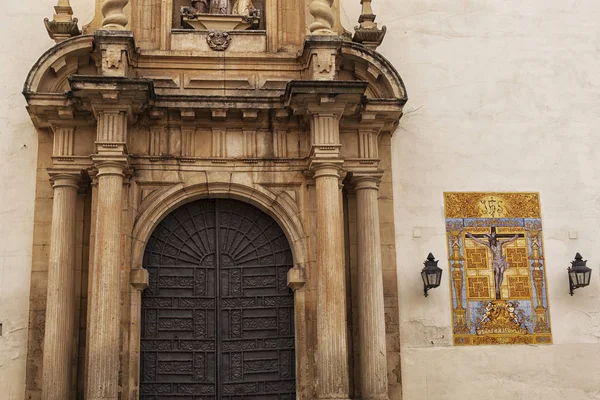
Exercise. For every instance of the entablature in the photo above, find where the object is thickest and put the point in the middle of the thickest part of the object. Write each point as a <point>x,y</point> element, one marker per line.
<point>197,107</point>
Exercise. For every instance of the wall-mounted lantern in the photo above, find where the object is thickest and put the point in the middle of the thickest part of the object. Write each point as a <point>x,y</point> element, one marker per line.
<point>431,274</point>
<point>579,273</point>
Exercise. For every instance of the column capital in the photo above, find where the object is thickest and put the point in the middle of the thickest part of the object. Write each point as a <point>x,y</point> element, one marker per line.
<point>60,177</point>
<point>367,180</point>
<point>110,165</point>
<point>323,168</point>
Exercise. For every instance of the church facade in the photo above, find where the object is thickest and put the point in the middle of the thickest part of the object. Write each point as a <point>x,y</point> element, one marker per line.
<point>234,200</point>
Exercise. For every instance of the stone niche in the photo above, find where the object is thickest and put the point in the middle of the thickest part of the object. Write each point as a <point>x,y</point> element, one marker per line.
<point>158,26</point>
<point>203,26</point>
<point>236,15</point>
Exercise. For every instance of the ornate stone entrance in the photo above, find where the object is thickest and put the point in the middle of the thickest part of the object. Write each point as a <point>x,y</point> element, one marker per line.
<point>133,124</point>
<point>217,316</point>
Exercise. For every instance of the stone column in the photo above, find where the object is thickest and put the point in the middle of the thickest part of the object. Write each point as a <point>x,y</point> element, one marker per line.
<point>60,306</point>
<point>371,311</point>
<point>332,345</point>
<point>324,106</point>
<point>102,380</point>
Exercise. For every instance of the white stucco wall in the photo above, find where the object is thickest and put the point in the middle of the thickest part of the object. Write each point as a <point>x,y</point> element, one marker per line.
<point>504,96</point>
<point>19,48</point>
<point>23,39</point>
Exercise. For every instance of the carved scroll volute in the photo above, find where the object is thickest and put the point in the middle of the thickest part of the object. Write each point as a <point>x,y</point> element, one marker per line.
<point>115,18</point>
<point>322,11</point>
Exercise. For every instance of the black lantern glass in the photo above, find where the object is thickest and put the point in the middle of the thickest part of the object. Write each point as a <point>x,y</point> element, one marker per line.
<point>579,273</point>
<point>431,274</point>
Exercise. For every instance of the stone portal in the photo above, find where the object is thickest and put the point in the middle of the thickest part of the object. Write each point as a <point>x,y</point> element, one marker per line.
<point>218,316</point>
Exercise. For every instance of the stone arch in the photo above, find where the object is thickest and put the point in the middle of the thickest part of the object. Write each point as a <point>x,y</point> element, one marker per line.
<point>370,66</point>
<point>51,72</point>
<point>281,210</point>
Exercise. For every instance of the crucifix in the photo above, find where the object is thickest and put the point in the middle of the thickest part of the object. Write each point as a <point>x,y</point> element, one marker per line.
<point>495,244</point>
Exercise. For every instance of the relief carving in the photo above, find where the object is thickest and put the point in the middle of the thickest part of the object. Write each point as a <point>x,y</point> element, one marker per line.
<point>218,40</point>
<point>113,58</point>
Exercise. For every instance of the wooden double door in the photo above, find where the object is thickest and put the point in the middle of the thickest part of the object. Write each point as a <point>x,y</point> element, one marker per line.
<point>217,317</point>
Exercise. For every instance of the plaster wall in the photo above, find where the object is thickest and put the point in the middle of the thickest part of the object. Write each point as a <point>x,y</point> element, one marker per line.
<point>503,96</point>
<point>23,39</point>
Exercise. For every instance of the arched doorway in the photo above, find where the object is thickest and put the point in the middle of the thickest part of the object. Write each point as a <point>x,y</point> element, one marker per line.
<point>217,317</point>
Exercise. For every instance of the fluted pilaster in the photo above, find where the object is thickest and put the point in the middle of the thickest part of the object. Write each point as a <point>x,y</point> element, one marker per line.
<point>325,129</point>
<point>63,141</point>
<point>322,11</point>
<point>112,126</point>
<point>332,345</point>
<point>114,17</point>
<point>371,311</point>
<point>60,306</point>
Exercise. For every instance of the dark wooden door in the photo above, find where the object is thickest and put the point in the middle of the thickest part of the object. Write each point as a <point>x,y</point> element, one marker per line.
<point>217,317</point>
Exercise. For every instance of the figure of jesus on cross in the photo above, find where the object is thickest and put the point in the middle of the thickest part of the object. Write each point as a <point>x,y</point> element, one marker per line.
<point>499,262</point>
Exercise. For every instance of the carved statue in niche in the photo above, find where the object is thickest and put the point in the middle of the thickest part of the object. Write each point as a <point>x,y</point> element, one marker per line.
<point>243,7</point>
<point>225,15</point>
<point>220,7</point>
<point>200,6</point>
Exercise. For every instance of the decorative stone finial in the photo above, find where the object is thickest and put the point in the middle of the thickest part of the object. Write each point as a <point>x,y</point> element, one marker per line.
<point>63,26</point>
<point>367,32</point>
<point>114,17</point>
<point>324,17</point>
